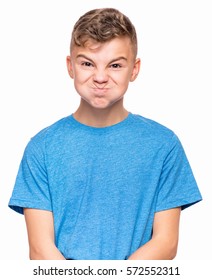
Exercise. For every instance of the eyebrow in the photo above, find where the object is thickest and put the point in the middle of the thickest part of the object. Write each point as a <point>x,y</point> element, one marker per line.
<point>113,60</point>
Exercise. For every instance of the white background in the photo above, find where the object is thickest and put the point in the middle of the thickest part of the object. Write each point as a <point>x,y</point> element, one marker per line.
<point>174,88</point>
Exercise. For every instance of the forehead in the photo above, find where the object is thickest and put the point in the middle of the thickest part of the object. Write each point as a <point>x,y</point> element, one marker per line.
<point>120,46</point>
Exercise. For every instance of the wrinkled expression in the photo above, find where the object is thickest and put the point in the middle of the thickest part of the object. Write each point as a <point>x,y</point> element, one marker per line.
<point>102,71</point>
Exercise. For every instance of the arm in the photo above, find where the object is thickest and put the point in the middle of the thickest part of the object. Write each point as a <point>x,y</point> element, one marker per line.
<point>40,229</point>
<point>164,242</point>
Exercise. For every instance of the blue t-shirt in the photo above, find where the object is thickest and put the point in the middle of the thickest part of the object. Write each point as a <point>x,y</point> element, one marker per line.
<point>104,185</point>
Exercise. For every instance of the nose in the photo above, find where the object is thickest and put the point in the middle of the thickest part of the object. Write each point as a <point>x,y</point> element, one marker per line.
<point>100,76</point>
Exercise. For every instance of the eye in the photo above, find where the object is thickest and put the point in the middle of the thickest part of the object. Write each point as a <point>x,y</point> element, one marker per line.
<point>115,65</point>
<point>87,64</point>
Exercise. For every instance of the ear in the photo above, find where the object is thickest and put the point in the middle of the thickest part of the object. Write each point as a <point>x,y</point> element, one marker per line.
<point>136,69</point>
<point>69,66</point>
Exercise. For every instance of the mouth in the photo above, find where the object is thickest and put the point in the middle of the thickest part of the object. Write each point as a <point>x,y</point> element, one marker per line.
<point>100,91</point>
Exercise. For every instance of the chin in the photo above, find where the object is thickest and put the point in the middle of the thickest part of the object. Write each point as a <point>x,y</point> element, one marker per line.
<point>102,105</point>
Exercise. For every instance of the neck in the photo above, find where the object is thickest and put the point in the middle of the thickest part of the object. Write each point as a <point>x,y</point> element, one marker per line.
<point>100,117</point>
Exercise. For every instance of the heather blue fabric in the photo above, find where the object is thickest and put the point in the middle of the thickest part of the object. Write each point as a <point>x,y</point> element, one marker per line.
<point>104,185</point>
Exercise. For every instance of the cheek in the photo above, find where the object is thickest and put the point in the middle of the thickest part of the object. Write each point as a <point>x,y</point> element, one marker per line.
<point>123,78</point>
<point>82,76</point>
<point>81,81</point>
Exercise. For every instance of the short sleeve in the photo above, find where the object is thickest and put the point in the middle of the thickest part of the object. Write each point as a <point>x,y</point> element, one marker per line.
<point>31,188</point>
<point>177,185</point>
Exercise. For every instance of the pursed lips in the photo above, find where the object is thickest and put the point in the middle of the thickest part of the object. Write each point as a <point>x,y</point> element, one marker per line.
<point>99,91</point>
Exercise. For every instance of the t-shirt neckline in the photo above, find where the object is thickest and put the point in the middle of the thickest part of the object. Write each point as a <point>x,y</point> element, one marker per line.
<point>116,125</point>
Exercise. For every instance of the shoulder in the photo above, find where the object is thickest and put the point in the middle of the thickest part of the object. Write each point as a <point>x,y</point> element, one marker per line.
<point>152,129</point>
<point>50,133</point>
<point>155,135</point>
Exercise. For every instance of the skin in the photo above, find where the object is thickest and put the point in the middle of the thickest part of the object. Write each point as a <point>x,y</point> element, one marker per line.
<point>40,228</point>
<point>163,245</point>
<point>101,74</point>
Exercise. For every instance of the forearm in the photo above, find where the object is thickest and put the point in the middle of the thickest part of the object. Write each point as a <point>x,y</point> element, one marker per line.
<point>40,228</point>
<point>155,249</point>
<point>45,252</point>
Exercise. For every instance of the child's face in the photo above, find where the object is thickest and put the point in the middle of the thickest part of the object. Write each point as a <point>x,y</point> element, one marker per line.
<point>102,72</point>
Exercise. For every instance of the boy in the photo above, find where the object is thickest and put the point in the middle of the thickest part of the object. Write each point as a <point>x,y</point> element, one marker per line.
<point>103,183</point>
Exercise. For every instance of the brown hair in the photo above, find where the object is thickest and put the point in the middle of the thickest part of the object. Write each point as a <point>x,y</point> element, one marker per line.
<point>102,25</point>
